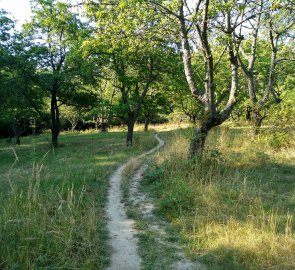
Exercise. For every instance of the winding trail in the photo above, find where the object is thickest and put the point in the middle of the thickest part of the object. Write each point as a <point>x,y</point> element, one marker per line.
<point>121,229</point>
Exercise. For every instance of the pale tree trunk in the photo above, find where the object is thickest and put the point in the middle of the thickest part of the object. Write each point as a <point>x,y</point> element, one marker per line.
<point>256,117</point>
<point>211,117</point>
<point>55,123</point>
<point>96,120</point>
<point>74,122</point>
<point>103,124</point>
<point>33,126</point>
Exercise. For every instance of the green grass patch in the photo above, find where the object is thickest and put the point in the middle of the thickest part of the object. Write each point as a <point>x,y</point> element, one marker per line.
<point>52,200</point>
<point>236,205</point>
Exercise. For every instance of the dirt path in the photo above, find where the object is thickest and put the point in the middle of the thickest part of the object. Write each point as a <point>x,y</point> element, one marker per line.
<point>157,230</point>
<point>123,240</point>
<point>122,234</point>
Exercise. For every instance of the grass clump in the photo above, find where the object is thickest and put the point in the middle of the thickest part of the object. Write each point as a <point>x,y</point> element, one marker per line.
<point>53,200</point>
<point>235,205</point>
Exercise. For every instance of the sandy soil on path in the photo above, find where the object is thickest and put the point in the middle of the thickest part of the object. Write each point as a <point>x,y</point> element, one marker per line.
<point>121,229</point>
<point>141,201</point>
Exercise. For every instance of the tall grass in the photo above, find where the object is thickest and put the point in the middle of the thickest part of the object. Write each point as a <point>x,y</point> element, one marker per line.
<point>235,206</point>
<point>49,229</point>
<point>52,200</point>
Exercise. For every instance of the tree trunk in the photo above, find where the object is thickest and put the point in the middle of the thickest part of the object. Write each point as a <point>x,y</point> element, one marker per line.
<point>18,129</point>
<point>146,123</point>
<point>194,119</point>
<point>18,139</point>
<point>74,123</point>
<point>96,120</point>
<point>198,142</point>
<point>33,126</point>
<point>103,127</point>
<point>256,119</point>
<point>130,125</point>
<point>248,114</point>
<point>55,128</point>
<point>54,136</point>
<point>239,115</point>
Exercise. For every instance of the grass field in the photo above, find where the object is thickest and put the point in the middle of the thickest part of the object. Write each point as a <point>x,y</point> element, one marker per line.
<point>234,208</point>
<point>52,200</point>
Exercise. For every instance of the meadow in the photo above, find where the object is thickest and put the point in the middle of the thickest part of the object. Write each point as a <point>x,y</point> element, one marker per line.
<point>52,199</point>
<point>233,208</point>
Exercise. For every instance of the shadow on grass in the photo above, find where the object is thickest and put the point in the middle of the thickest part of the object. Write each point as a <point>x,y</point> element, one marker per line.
<point>235,205</point>
<point>228,258</point>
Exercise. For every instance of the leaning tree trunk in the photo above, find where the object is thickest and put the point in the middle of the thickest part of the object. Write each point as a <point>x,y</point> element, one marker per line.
<point>130,125</point>
<point>55,125</point>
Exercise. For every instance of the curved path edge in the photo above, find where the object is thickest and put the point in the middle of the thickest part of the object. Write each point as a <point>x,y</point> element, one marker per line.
<point>123,240</point>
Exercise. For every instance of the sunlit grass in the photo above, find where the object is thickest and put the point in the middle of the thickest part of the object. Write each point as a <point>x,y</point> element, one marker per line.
<point>236,205</point>
<point>52,200</point>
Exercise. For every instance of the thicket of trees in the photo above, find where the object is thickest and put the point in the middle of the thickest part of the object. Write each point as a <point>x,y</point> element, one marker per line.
<point>101,63</point>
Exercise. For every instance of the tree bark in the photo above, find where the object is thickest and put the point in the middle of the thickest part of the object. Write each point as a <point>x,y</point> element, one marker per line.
<point>103,127</point>
<point>18,139</point>
<point>256,121</point>
<point>146,123</point>
<point>55,125</point>
<point>194,119</point>
<point>96,120</point>
<point>212,116</point>
<point>248,114</point>
<point>129,139</point>
<point>74,123</point>
<point>18,128</point>
<point>198,142</point>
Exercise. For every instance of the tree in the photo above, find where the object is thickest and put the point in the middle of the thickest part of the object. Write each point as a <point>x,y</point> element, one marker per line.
<point>14,107</point>
<point>276,18</point>
<point>179,92</point>
<point>123,31</point>
<point>155,104</point>
<point>55,32</point>
<point>6,27</point>
<point>103,111</point>
<point>202,25</point>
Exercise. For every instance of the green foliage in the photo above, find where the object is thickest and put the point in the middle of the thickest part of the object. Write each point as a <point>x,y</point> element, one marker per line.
<point>281,120</point>
<point>6,25</point>
<point>155,173</point>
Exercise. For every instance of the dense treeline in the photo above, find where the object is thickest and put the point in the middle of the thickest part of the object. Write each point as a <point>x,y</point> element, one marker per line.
<point>100,63</point>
